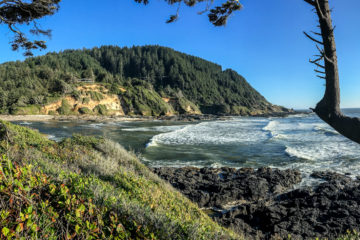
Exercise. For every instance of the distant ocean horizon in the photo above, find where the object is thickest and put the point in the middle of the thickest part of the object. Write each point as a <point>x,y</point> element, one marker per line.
<point>301,141</point>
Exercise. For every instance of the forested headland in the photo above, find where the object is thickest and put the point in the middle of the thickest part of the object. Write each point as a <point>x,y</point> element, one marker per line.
<point>148,80</point>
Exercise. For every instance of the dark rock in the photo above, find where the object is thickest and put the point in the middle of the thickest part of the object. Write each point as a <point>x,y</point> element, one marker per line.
<point>264,208</point>
<point>331,176</point>
<point>210,187</point>
<point>327,211</point>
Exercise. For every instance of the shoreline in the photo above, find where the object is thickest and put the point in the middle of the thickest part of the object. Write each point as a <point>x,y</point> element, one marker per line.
<point>99,118</point>
<point>44,118</point>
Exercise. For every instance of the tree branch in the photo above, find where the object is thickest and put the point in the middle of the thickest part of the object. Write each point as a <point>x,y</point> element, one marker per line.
<point>319,65</point>
<point>313,39</point>
<point>322,77</point>
<point>316,60</point>
<point>311,2</point>
<point>322,72</point>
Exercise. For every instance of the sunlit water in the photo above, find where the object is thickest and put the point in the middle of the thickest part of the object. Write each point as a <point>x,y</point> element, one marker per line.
<point>302,142</point>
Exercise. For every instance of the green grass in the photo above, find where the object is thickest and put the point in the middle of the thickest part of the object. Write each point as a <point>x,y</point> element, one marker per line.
<point>89,188</point>
<point>28,110</point>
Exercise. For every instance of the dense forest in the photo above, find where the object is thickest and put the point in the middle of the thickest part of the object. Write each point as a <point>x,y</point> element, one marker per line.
<point>147,74</point>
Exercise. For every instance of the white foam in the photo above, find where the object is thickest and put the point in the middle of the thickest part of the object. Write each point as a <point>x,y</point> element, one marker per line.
<point>94,125</point>
<point>216,165</point>
<point>271,126</point>
<point>324,150</point>
<point>152,143</point>
<point>25,123</point>
<point>155,129</point>
<point>299,153</point>
<point>301,115</point>
<point>54,138</point>
<point>217,133</point>
<point>325,129</point>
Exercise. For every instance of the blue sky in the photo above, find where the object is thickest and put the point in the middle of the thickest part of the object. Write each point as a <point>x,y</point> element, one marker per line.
<point>263,42</point>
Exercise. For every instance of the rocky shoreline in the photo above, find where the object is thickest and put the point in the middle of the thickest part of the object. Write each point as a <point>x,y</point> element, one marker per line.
<point>264,204</point>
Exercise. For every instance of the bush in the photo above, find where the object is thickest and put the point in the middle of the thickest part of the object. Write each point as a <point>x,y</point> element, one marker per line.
<point>76,95</point>
<point>52,112</point>
<point>96,96</point>
<point>85,100</point>
<point>100,109</point>
<point>84,110</point>
<point>65,108</point>
<point>29,110</point>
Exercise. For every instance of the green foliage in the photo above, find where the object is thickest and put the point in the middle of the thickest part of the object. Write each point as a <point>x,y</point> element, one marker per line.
<point>89,188</point>
<point>156,69</point>
<point>85,100</point>
<point>96,96</point>
<point>240,110</point>
<point>76,95</point>
<point>101,109</point>
<point>23,137</point>
<point>145,102</point>
<point>28,110</point>
<point>184,104</point>
<point>41,207</point>
<point>86,141</point>
<point>65,108</point>
<point>351,235</point>
<point>16,14</point>
<point>84,110</point>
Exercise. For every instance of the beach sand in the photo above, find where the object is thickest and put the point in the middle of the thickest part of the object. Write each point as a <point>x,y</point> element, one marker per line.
<point>39,118</point>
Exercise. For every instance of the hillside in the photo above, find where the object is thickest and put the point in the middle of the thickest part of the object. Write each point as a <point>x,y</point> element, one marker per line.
<point>88,188</point>
<point>109,80</point>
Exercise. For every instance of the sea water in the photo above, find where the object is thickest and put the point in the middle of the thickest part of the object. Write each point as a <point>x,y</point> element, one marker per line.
<point>301,142</point>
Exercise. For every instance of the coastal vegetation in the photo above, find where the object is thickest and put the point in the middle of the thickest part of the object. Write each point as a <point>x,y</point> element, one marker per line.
<point>149,80</point>
<point>89,188</point>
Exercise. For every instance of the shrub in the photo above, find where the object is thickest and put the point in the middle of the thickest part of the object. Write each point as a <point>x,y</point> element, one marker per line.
<point>65,108</point>
<point>84,110</point>
<point>100,109</point>
<point>52,112</point>
<point>76,95</point>
<point>85,100</point>
<point>96,96</point>
<point>28,110</point>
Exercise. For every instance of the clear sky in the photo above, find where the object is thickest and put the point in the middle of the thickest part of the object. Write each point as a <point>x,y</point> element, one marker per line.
<point>263,42</point>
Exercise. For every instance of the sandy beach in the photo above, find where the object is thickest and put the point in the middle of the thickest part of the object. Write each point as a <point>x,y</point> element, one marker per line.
<point>38,118</point>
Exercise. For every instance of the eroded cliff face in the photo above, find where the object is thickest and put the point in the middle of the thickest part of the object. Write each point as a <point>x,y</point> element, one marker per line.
<point>96,99</point>
<point>90,97</point>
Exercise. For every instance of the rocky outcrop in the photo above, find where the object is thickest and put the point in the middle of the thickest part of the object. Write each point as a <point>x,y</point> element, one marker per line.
<point>261,205</point>
<point>221,188</point>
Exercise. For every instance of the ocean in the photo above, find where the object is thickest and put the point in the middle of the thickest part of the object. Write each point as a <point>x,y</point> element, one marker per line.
<point>301,142</point>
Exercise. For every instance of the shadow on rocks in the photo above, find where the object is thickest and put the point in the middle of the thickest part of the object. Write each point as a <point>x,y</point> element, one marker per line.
<point>262,205</point>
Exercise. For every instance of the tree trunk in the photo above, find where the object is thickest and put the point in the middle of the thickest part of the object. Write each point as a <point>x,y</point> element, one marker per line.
<point>328,109</point>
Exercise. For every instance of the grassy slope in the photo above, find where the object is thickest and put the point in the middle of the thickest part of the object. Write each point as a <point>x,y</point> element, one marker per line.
<point>89,188</point>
